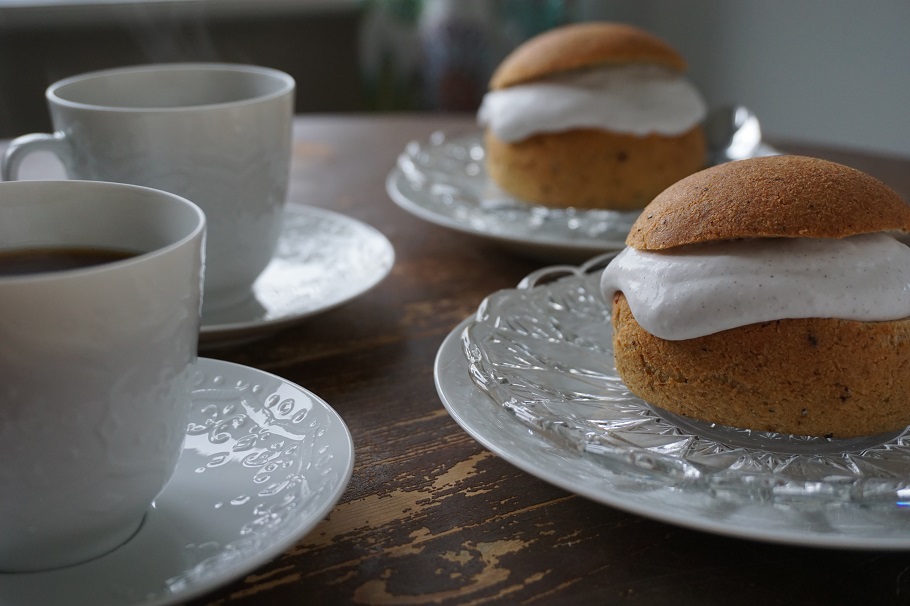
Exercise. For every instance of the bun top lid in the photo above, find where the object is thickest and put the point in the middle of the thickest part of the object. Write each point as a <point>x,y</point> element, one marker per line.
<point>583,45</point>
<point>769,197</point>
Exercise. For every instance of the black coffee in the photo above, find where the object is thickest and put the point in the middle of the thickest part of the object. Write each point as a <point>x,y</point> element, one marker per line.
<point>23,261</point>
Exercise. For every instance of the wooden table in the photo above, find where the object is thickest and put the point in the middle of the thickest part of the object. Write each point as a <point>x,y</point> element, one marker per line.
<point>432,517</point>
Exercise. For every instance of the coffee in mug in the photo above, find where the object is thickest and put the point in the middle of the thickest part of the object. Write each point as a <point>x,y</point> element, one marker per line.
<point>26,261</point>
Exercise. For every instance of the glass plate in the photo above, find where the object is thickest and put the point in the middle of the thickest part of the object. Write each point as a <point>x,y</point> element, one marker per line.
<point>443,180</point>
<point>541,356</point>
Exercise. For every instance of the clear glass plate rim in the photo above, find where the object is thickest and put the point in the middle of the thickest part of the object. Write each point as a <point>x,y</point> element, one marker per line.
<point>827,487</point>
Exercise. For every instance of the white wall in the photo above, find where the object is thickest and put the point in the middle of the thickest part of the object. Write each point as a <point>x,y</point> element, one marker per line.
<point>822,71</point>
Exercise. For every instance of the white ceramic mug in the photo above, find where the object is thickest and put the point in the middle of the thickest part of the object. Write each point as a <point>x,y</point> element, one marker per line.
<point>95,365</point>
<point>216,134</point>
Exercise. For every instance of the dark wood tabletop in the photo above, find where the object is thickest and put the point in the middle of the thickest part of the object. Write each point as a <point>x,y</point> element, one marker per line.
<point>432,517</point>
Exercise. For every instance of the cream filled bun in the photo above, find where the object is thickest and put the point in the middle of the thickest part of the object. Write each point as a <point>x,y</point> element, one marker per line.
<point>592,115</point>
<point>769,294</point>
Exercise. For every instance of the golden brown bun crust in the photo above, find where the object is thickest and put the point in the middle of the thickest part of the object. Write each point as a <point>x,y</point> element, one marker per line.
<point>776,196</point>
<point>810,376</point>
<point>593,168</point>
<point>582,45</point>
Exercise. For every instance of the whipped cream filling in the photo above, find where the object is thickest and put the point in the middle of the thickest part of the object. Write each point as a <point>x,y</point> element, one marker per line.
<point>700,289</point>
<point>631,99</point>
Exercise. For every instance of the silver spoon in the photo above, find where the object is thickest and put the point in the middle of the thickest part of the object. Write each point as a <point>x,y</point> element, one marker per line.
<point>733,133</point>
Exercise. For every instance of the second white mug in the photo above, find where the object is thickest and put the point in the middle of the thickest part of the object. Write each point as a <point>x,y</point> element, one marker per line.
<point>216,134</point>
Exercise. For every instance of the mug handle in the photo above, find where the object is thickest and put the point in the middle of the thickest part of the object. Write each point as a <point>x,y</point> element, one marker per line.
<point>20,147</point>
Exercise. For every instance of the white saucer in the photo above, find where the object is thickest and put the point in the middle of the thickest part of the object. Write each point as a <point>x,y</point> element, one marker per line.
<point>263,463</point>
<point>531,378</point>
<point>324,259</point>
<point>444,181</point>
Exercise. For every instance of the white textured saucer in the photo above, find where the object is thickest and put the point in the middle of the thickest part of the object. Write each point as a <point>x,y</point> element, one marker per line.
<point>263,463</point>
<point>324,259</point>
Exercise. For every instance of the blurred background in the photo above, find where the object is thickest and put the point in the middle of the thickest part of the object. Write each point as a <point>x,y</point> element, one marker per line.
<point>833,72</point>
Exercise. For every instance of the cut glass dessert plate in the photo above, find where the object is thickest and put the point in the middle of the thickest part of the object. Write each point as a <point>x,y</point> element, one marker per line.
<point>444,181</point>
<point>531,377</point>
